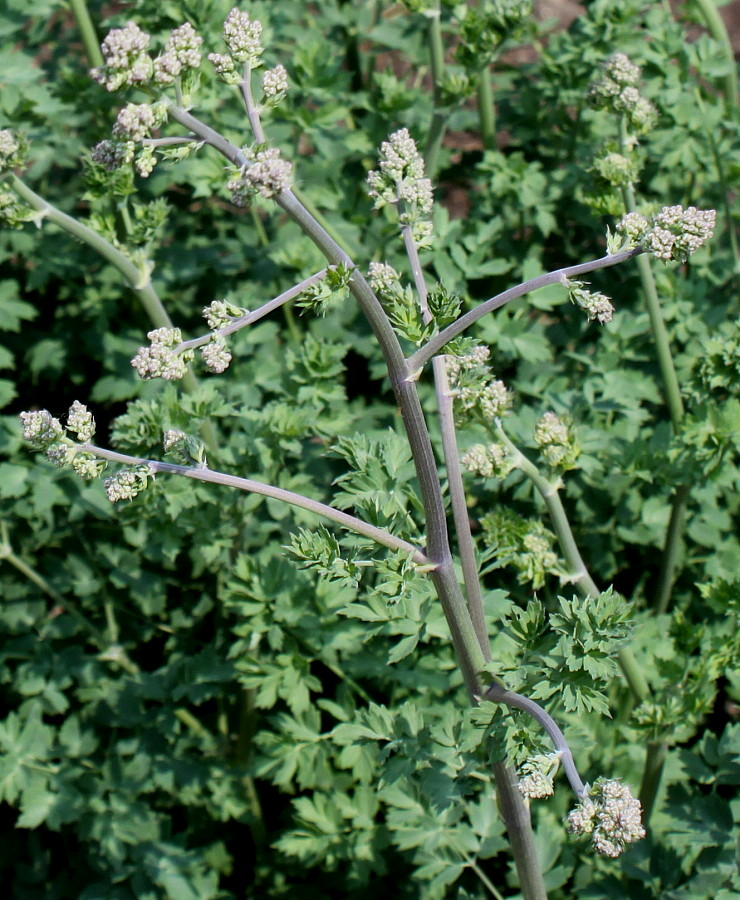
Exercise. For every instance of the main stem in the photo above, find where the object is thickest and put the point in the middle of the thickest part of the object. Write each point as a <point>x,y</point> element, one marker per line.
<point>465,641</point>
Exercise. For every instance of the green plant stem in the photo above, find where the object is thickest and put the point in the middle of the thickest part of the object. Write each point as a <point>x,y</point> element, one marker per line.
<point>433,346</point>
<point>671,548</point>
<point>652,775</point>
<point>716,27</point>
<point>485,880</point>
<point>255,315</point>
<point>465,545</point>
<point>352,523</point>
<point>464,638</point>
<point>486,109</point>
<point>138,280</point>
<point>441,114</point>
<point>87,32</point>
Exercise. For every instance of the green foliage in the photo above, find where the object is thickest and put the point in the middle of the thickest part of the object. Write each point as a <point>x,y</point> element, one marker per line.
<point>193,712</point>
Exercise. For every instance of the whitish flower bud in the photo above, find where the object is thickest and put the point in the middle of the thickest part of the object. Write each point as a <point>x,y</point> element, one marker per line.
<point>225,68</point>
<point>126,58</point>
<point>621,69</point>
<point>127,483</point>
<point>242,37</point>
<point>80,422</point>
<point>136,121</point>
<point>61,454</point>
<point>112,155</point>
<point>555,439</point>
<point>633,227</point>
<point>488,461</point>
<point>40,428</point>
<point>13,150</point>
<point>383,278</point>
<point>611,815</point>
<point>401,174</point>
<point>676,233</point>
<point>267,175</point>
<point>274,84</point>
<point>87,466</point>
<point>220,313</point>
<point>186,450</point>
<point>596,305</point>
<point>162,359</point>
<point>216,354</point>
<point>495,400</point>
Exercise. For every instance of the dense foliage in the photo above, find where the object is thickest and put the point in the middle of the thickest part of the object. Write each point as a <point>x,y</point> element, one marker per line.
<point>208,694</point>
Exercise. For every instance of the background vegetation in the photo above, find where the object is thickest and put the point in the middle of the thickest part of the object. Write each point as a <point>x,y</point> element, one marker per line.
<point>189,714</point>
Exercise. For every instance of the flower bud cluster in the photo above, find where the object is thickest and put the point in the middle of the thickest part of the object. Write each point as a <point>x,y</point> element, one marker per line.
<point>611,815</point>
<point>80,422</point>
<point>13,150</point>
<point>13,212</point>
<point>220,313</point>
<point>615,90</point>
<point>127,483</point>
<point>112,155</point>
<point>186,450</point>
<point>488,460</point>
<point>555,439</point>
<point>216,355</point>
<point>267,174</point>
<point>597,306</point>
<point>243,38</point>
<point>182,51</point>
<point>537,775</point>
<point>476,390</point>
<point>400,179</point>
<point>136,121</point>
<point>46,433</point>
<point>616,168</point>
<point>127,61</point>
<point>274,85</point>
<point>672,235</point>
<point>162,358</point>
<point>384,279</point>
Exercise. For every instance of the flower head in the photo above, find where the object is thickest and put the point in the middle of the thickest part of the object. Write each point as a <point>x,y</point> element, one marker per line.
<point>13,150</point>
<point>611,815</point>
<point>162,358</point>
<point>242,36</point>
<point>80,422</point>
<point>182,51</point>
<point>127,483</point>
<point>488,460</point>
<point>216,355</point>
<point>400,179</point>
<point>40,428</point>
<point>267,175</point>
<point>475,389</point>
<point>274,85</point>
<point>126,59</point>
<point>672,235</point>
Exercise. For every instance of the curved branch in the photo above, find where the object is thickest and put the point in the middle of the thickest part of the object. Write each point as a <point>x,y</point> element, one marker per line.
<point>352,523</point>
<point>417,360</point>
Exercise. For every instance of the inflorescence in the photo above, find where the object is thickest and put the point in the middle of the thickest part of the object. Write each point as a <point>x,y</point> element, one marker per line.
<point>400,180</point>
<point>672,235</point>
<point>611,815</point>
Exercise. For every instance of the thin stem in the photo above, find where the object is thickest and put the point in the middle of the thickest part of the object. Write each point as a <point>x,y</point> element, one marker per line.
<point>486,109</point>
<point>464,638</point>
<point>716,27</point>
<point>252,112</point>
<point>499,694</point>
<point>465,545</point>
<point>87,32</point>
<point>385,538</point>
<point>485,880</point>
<point>441,115</point>
<point>651,776</point>
<point>433,346</point>
<point>138,279</point>
<point>254,315</point>
<point>671,548</point>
